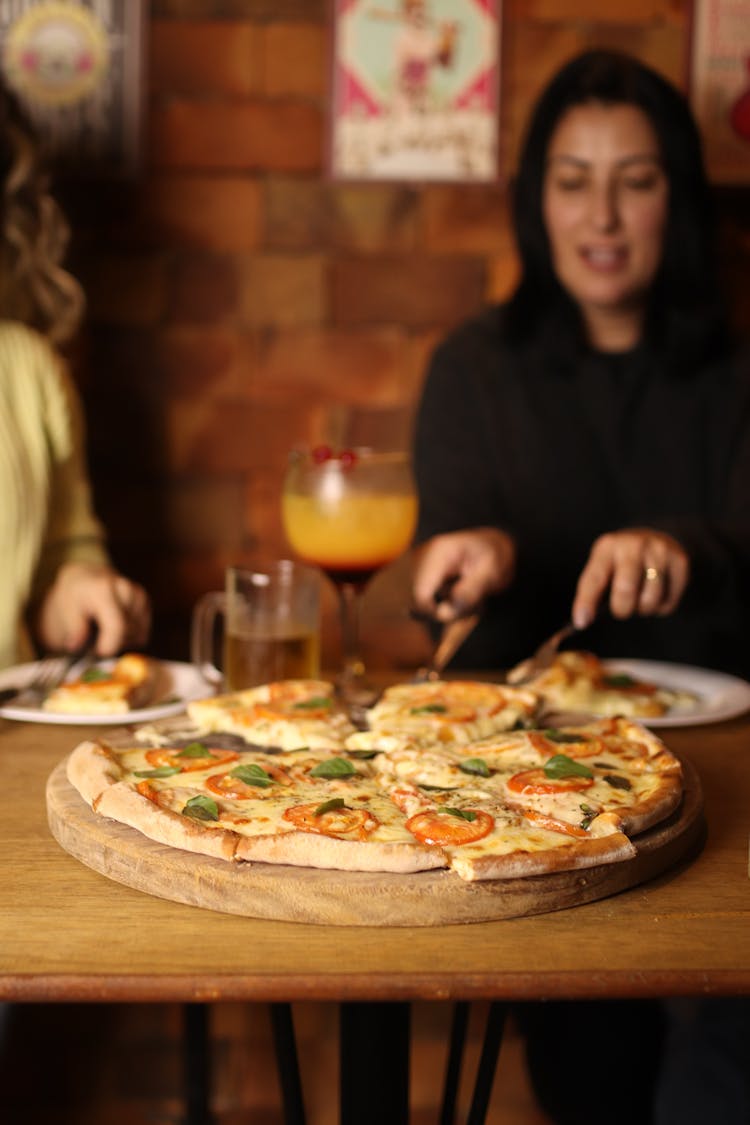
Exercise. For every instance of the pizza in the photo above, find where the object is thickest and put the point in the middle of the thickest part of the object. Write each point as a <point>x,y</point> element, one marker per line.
<point>127,684</point>
<point>579,682</point>
<point>507,804</point>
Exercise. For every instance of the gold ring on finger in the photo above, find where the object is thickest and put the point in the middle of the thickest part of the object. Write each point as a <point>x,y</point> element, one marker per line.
<point>652,574</point>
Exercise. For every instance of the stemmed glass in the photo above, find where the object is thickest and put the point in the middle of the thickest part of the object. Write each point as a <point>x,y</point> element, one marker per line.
<point>350,514</point>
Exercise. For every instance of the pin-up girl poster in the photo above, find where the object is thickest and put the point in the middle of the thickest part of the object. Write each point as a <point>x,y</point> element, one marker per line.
<point>720,86</point>
<point>415,92</point>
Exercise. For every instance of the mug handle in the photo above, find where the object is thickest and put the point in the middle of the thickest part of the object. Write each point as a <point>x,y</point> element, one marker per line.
<point>205,613</point>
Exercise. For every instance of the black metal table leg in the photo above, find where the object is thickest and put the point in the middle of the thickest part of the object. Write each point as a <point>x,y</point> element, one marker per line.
<point>493,1038</point>
<point>196,1064</point>
<point>287,1062</point>
<point>374,1054</point>
<point>459,1025</point>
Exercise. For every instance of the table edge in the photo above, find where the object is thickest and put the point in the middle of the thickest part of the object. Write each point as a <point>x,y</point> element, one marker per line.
<point>552,985</point>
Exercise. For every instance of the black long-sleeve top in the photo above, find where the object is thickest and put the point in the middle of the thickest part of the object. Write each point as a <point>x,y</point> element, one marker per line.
<point>558,453</point>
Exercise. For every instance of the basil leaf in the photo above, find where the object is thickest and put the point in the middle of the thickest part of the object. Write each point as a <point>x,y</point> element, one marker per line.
<point>93,675</point>
<point>333,768</point>
<point>464,814</point>
<point>616,781</point>
<point>475,765</point>
<point>159,771</point>
<point>363,755</point>
<point>201,808</point>
<point>429,709</point>
<point>438,788</point>
<point>194,750</point>
<point>252,775</point>
<point>563,766</point>
<point>618,679</point>
<point>313,703</point>
<point>588,815</point>
<point>329,806</point>
<point>555,735</point>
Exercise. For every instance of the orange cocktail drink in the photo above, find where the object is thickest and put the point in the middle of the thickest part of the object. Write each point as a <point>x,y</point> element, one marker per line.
<point>351,515</point>
<point>354,535</point>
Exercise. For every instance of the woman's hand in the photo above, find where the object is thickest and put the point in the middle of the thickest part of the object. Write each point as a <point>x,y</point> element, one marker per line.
<point>476,562</point>
<point>646,571</point>
<point>83,593</point>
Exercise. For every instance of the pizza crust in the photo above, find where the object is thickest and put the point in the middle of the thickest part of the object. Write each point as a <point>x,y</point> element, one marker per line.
<point>126,806</point>
<point>308,849</point>
<point>613,848</point>
<point>655,807</point>
<point>91,769</point>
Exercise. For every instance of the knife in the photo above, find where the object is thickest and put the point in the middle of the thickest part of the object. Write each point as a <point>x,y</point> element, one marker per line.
<point>453,636</point>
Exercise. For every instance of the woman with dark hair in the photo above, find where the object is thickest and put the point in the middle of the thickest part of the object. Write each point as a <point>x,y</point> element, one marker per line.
<point>55,575</point>
<point>583,453</point>
<point>587,443</point>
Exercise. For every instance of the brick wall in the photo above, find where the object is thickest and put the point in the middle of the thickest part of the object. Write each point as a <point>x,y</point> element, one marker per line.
<point>238,297</point>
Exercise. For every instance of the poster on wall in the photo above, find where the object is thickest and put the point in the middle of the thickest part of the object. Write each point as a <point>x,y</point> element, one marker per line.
<point>720,86</point>
<point>415,90</point>
<point>75,65</point>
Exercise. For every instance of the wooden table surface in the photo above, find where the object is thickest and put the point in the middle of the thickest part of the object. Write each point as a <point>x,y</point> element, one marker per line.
<point>70,934</point>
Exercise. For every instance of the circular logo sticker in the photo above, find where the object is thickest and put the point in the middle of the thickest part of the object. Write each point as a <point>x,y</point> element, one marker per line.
<point>56,53</point>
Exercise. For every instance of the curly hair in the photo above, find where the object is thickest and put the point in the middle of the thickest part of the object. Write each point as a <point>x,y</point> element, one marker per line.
<point>34,287</point>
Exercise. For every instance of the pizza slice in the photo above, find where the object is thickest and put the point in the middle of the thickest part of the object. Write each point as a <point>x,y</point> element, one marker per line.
<point>128,684</point>
<point>580,683</point>
<point>485,838</point>
<point>305,809</point>
<point>560,779</point>
<point>285,714</point>
<point>447,711</point>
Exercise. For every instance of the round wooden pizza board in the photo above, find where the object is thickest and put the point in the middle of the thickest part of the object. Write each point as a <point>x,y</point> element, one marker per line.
<point>346,898</point>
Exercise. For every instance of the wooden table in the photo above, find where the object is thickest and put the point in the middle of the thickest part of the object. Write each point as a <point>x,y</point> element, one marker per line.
<point>70,934</point>
<point>67,933</point>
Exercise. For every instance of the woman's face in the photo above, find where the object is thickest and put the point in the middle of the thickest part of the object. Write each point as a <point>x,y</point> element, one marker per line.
<point>605,201</point>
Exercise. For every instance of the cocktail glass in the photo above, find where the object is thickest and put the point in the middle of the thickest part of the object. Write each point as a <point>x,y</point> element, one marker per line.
<point>350,514</point>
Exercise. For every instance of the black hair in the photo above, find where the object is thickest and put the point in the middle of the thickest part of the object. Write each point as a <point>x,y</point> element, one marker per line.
<point>684,320</point>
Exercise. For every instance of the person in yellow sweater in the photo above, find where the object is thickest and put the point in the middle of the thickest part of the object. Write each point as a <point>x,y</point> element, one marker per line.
<point>56,578</point>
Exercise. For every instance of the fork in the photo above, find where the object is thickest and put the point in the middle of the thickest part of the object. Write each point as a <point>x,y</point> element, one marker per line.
<point>49,672</point>
<point>52,670</point>
<point>541,659</point>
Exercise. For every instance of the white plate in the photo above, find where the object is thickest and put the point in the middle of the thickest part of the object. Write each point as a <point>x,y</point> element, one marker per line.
<point>178,683</point>
<point>720,696</point>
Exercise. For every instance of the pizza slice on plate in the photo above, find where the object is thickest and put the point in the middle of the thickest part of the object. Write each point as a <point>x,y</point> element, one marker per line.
<point>126,685</point>
<point>580,683</point>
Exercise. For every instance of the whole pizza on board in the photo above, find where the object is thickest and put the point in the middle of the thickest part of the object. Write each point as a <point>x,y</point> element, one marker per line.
<point>451,774</point>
